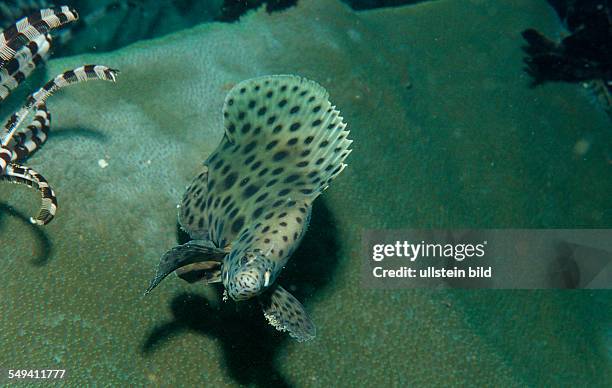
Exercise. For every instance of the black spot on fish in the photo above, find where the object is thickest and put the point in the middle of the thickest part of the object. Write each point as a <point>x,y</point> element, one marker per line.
<point>261,197</point>
<point>237,225</point>
<point>230,180</point>
<point>258,212</point>
<point>279,156</point>
<point>271,144</point>
<point>256,165</point>
<point>292,178</point>
<point>249,160</point>
<point>250,191</point>
<point>225,201</point>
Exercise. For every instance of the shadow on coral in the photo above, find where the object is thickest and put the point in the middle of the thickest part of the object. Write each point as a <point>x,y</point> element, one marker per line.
<point>249,358</point>
<point>249,344</point>
<point>78,132</point>
<point>41,246</point>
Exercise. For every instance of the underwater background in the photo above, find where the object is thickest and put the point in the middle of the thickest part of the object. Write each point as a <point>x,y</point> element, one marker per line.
<point>448,133</point>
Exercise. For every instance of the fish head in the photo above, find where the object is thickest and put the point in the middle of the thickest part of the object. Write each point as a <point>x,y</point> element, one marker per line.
<point>248,273</point>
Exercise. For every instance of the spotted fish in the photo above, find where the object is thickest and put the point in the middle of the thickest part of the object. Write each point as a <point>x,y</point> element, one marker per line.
<point>250,206</point>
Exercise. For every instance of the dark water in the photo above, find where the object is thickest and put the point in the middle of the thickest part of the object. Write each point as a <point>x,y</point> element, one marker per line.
<point>449,131</point>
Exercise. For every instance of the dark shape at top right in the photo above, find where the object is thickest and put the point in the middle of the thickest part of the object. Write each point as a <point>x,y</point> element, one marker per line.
<point>585,55</point>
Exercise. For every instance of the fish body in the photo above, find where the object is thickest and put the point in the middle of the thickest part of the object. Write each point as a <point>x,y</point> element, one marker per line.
<point>250,206</point>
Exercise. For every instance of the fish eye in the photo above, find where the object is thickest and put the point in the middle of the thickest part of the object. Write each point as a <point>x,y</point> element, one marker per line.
<point>244,260</point>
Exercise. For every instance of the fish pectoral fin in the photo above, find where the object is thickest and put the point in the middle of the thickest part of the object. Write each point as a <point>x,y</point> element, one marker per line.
<point>206,271</point>
<point>194,252</point>
<point>286,313</point>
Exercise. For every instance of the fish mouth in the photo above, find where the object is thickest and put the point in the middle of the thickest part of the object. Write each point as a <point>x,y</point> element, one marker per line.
<point>246,286</point>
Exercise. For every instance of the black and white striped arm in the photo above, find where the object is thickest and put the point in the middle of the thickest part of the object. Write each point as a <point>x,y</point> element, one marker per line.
<point>16,9</point>
<point>70,77</point>
<point>15,173</point>
<point>30,28</point>
<point>26,141</point>
<point>6,155</point>
<point>17,69</point>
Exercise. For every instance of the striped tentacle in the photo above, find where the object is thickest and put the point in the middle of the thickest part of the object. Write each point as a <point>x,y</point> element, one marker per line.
<point>15,173</point>
<point>29,28</point>
<point>25,61</point>
<point>16,9</point>
<point>70,77</point>
<point>6,155</point>
<point>25,142</point>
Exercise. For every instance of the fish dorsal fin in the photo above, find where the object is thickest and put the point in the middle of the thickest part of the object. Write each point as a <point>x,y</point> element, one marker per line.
<point>284,142</point>
<point>285,128</point>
